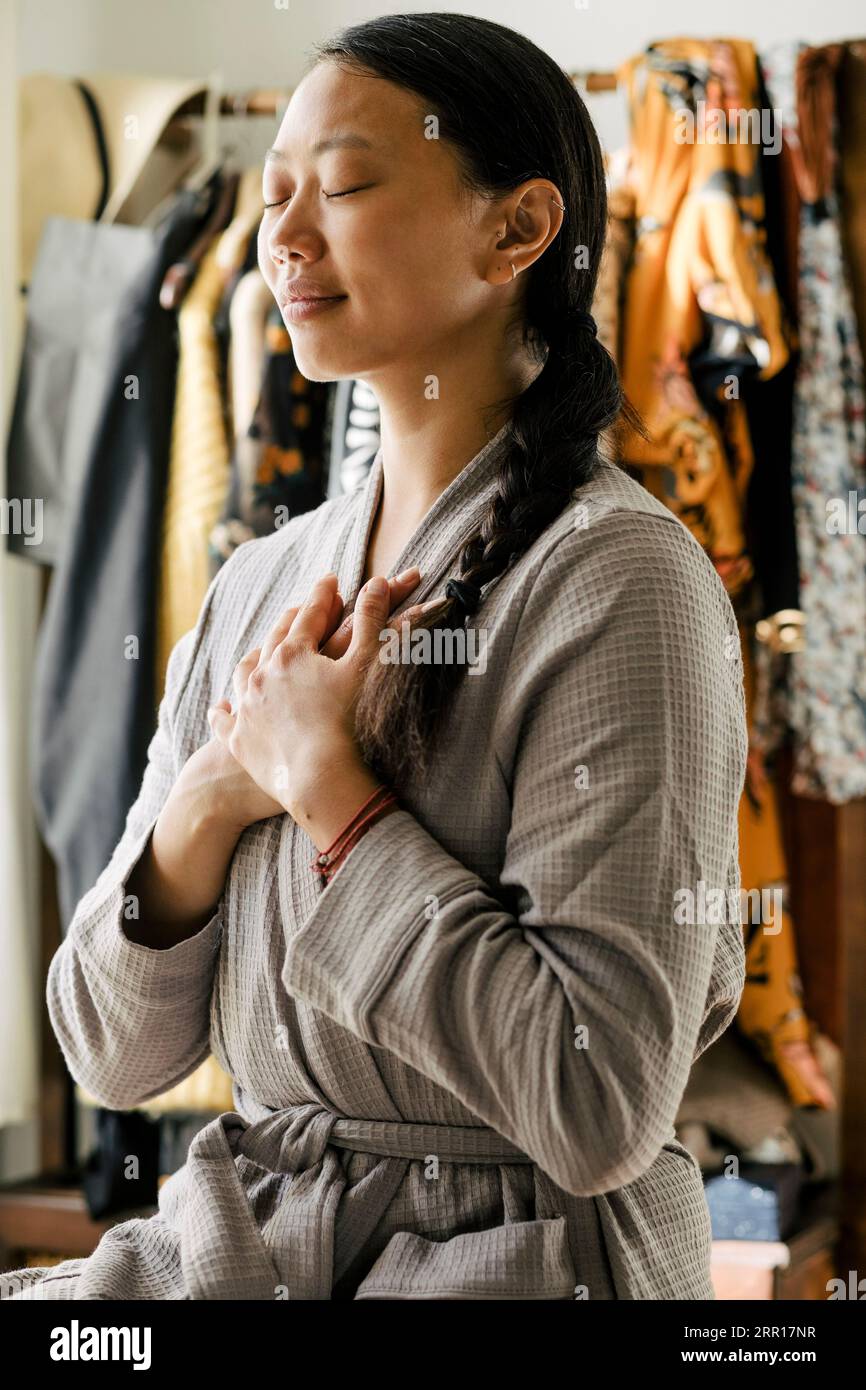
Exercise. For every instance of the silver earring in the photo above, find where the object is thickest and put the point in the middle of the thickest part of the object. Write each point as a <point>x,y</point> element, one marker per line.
<point>559,205</point>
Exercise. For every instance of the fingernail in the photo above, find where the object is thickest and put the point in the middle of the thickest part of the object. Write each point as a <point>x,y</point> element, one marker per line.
<point>377,587</point>
<point>407,574</point>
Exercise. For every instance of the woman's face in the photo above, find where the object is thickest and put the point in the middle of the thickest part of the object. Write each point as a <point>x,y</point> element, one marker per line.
<point>379,217</point>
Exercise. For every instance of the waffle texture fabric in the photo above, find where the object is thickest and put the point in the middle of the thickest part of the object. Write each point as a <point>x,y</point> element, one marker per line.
<point>457,1067</point>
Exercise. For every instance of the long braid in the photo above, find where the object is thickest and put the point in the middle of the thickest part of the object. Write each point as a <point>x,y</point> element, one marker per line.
<point>466,70</point>
<point>400,707</point>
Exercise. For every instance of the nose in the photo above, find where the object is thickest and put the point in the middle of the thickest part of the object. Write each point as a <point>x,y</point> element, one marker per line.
<point>278,252</point>
<point>292,235</point>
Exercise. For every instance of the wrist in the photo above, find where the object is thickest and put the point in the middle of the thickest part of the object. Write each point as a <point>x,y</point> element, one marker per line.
<point>203,814</point>
<point>377,807</point>
<point>341,783</point>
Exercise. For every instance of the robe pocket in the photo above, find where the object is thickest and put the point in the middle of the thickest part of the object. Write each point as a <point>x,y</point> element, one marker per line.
<point>524,1259</point>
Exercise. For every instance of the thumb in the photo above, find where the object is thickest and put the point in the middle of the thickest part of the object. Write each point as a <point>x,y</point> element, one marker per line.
<point>369,617</point>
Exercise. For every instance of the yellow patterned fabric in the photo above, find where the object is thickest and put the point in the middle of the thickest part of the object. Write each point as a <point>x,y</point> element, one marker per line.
<point>771,1011</point>
<point>700,266</point>
<point>199,464</point>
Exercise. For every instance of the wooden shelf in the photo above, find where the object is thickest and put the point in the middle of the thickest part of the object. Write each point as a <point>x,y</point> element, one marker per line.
<point>50,1215</point>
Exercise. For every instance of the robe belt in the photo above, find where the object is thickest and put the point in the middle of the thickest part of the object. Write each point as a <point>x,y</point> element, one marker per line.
<point>405,1139</point>
<point>316,1223</point>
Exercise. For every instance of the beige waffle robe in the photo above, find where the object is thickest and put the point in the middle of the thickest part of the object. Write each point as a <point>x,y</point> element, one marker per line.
<point>457,1067</point>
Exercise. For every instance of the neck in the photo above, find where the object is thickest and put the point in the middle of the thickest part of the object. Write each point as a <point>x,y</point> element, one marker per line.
<point>427,442</point>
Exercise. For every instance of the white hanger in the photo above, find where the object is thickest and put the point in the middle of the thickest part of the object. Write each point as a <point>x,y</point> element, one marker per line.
<point>212,156</point>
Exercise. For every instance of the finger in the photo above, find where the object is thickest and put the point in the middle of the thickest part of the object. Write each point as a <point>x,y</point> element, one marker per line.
<point>334,617</point>
<point>281,630</point>
<point>403,584</point>
<point>311,621</point>
<point>337,643</point>
<point>416,610</point>
<point>369,617</point>
<point>401,587</point>
<point>276,635</point>
<point>242,671</point>
<point>221,721</point>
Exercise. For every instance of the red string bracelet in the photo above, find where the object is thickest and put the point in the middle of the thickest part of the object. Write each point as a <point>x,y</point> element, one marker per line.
<point>377,804</point>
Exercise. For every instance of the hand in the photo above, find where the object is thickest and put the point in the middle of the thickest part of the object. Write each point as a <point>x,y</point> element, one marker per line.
<point>337,640</point>
<point>219,791</point>
<point>293,725</point>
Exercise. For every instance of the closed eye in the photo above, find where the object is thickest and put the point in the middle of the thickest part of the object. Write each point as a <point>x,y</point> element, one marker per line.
<point>344,194</point>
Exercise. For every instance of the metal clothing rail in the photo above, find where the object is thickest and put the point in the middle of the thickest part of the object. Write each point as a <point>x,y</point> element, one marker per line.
<point>269,101</point>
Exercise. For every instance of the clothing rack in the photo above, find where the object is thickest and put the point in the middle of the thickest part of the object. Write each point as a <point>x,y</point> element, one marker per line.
<point>827,873</point>
<point>272,101</point>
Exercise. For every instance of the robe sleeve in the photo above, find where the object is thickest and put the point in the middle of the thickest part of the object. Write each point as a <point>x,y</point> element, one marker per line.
<point>132,1020</point>
<point>570,1022</point>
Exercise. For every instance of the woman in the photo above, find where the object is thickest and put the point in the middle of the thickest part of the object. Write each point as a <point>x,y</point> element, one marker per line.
<point>458,1047</point>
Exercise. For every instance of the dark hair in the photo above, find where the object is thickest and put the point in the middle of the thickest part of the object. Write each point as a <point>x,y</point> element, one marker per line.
<point>510,113</point>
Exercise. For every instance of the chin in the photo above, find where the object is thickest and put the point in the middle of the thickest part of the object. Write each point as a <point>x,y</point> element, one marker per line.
<point>316,367</point>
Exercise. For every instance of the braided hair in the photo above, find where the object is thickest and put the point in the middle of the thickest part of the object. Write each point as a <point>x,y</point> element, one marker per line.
<point>509,113</point>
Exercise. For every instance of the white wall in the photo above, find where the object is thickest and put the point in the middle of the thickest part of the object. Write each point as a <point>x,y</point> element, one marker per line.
<point>263,42</point>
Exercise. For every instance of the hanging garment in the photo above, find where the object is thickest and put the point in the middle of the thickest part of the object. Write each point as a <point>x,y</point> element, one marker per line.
<point>851,136</point>
<point>109,1183</point>
<point>699,279</point>
<point>769,406</point>
<point>607,305</point>
<point>827,678</point>
<point>734,1103</point>
<point>700,297</point>
<point>278,469</point>
<point>354,435</point>
<point>248,310</point>
<point>94,148</point>
<point>97,331</point>
<point>66,177</point>
<point>198,472</point>
<point>197,486</point>
<point>395,1133</point>
<point>772,1010</point>
<point>199,468</point>
<point>77,161</point>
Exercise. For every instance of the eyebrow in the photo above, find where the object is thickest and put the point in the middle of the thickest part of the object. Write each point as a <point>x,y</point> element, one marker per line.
<point>345,140</point>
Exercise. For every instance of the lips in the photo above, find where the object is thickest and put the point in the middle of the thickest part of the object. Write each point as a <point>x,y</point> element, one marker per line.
<point>298,310</point>
<point>311,298</point>
<point>302,291</point>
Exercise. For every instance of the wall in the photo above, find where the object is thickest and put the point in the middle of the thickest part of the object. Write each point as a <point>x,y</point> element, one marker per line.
<point>263,42</point>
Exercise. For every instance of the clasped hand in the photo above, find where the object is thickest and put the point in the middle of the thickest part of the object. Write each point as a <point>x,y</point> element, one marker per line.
<point>292,726</point>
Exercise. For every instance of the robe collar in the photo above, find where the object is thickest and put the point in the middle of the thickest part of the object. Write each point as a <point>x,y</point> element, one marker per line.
<point>435,544</point>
